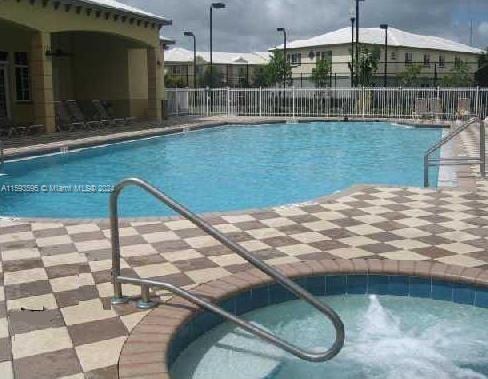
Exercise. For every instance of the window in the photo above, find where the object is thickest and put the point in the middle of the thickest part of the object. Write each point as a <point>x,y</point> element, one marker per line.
<point>426,60</point>
<point>457,61</point>
<point>393,56</point>
<point>22,87</point>
<point>3,56</point>
<point>408,58</point>
<point>442,61</point>
<point>296,59</point>
<point>324,55</point>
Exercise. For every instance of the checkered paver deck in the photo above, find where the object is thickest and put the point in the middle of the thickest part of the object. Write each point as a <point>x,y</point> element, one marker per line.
<point>56,276</point>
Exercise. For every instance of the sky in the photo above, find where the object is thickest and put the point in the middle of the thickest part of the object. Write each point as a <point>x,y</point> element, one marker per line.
<point>250,25</point>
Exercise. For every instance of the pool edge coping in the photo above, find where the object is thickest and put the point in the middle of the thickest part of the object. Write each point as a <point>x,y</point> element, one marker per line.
<point>318,200</point>
<point>145,351</point>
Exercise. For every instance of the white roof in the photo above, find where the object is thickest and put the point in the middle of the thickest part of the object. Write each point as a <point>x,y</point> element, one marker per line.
<point>124,8</point>
<point>181,55</point>
<point>376,36</point>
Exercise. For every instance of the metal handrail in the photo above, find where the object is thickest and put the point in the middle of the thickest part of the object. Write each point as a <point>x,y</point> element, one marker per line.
<point>145,284</point>
<point>459,161</point>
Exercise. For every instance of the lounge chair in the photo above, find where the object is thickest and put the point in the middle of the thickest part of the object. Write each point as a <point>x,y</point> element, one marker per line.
<point>103,114</point>
<point>464,107</point>
<point>78,116</point>
<point>9,128</point>
<point>64,121</point>
<point>110,112</point>
<point>421,108</point>
<point>436,108</point>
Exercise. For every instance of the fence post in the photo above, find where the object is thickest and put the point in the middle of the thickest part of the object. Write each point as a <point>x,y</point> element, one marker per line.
<point>260,102</point>
<point>476,102</point>
<point>362,101</point>
<point>206,101</point>
<point>228,101</point>
<point>293,102</point>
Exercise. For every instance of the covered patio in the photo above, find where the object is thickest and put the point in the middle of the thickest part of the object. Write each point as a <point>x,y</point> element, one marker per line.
<point>76,50</point>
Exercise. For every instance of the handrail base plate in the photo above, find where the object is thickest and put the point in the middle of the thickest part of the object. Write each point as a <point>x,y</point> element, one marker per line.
<point>119,300</point>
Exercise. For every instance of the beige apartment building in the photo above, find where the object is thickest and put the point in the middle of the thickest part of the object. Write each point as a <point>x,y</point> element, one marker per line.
<point>436,56</point>
<point>234,69</point>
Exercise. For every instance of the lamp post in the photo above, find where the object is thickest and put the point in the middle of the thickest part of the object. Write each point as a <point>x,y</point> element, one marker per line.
<point>212,7</point>
<point>283,30</point>
<point>353,19</point>
<point>191,34</point>
<point>385,28</point>
<point>357,39</point>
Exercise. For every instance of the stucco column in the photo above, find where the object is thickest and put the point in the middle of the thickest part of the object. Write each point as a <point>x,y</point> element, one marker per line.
<point>154,82</point>
<point>42,81</point>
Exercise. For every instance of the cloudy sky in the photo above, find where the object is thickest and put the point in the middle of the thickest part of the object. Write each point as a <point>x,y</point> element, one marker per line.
<point>250,25</point>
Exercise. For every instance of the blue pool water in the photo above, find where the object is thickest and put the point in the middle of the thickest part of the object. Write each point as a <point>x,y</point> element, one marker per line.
<point>220,169</point>
<point>387,337</point>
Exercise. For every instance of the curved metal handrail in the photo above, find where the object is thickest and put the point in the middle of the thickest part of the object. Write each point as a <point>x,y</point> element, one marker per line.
<point>428,161</point>
<point>210,230</point>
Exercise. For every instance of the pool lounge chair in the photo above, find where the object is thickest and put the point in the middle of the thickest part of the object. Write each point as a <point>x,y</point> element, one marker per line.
<point>9,128</point>
<point>103,114</point>
<point>436,108</point>
<point>64,121</point>
<point>464,107</point>
<point>110,112</point>
<point>421,108</point>
<point>78,116</point>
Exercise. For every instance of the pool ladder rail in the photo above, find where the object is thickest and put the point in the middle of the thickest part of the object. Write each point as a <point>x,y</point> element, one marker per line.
<point>145,284</point>
<point>458,161</point>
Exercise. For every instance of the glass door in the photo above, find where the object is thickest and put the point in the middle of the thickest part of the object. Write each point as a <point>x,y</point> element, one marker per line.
<point>3,92</point>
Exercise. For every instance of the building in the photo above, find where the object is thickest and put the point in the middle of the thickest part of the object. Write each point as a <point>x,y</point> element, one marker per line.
<point>233,69</point>
<point>82,50</point>
<point>435,56</point>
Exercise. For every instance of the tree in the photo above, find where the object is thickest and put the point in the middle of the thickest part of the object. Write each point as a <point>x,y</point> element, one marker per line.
<point>211,80</point>
<point>483,60</point>
<point>367,65</point>
<point>321,72</point>
<point>410,77</point>
<point>459,76</point>
<point>261,77</point>
<point>277,69</point>
<point>172,81</point>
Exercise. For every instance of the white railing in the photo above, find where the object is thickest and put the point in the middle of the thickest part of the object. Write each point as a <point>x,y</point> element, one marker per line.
<point>435,103</point>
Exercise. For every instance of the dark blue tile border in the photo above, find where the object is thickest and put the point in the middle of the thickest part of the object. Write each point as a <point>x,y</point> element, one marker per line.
<point>330,285</point>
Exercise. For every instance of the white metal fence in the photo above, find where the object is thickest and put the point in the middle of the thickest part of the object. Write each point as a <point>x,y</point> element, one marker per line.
<point>438,103</point>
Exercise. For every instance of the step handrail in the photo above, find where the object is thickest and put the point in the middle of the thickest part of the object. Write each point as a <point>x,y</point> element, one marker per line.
<point>256,330</point>
<point>481,160</point>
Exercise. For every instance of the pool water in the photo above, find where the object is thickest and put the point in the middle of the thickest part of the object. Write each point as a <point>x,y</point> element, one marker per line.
<point>220,169</point>
<point>386,337</point>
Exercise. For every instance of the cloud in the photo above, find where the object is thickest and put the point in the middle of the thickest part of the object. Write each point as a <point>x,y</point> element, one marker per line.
<point>247,25</point>
<point>483,31</point>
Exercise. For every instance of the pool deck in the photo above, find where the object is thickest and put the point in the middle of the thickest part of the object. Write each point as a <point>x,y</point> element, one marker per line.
<point>55,316</point>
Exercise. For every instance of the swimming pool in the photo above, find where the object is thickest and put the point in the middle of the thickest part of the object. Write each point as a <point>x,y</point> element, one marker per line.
<point>219,169</point>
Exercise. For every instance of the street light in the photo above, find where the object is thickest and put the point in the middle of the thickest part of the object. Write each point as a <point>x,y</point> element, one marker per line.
<point>357,38</point>
<point>353,19</point>
<point>385,28</point>
<point>212,7</point>
<point>190,34</point>
<point>283,30</point>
